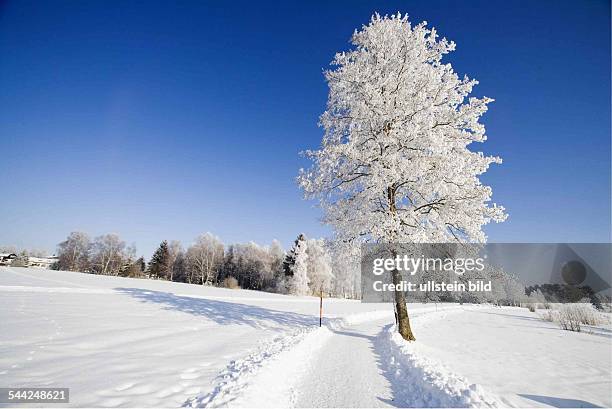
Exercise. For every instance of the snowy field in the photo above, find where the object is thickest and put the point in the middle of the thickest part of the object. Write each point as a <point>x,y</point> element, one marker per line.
<point>119,342</point>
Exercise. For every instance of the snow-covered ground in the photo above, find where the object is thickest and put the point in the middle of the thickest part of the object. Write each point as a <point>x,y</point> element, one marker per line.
<point>524,360</point>
<point>127,342</point>
<point>138,343</point>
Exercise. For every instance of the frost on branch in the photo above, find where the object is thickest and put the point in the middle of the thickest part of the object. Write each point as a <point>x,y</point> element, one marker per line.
<point>394,165</point>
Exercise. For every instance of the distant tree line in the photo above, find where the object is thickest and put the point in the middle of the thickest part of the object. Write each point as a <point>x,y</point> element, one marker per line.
<point>565,293</point>
<point>307,268</point>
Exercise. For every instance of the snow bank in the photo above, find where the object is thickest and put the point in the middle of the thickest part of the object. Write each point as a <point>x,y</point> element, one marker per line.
<point>418,382</point>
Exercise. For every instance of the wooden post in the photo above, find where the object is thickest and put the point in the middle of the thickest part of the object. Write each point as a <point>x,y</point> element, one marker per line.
<point>321,308</point>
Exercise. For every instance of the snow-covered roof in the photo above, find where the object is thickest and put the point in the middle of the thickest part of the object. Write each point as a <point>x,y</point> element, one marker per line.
<point>42,259</point>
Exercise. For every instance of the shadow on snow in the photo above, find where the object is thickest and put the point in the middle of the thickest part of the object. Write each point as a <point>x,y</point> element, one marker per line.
<point>221,312</point>
<point>560,402</point>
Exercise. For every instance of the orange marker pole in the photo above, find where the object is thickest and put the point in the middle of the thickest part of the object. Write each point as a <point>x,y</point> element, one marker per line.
<point>321,308</point>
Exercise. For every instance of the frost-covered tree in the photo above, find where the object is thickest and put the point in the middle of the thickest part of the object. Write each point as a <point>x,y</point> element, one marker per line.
<point>255,267</point>
<point>515,290</point>
<point>251,266</point>
<point>175,248</point>
<point>298,283</point>
<point>130,253</point>
<point>204,258</point>
<point>73,253</point>
<point>394,165</point>
<point>277,258</point>
<point>319,266</point>
<point>179,267</point>
<point>536,299</point>
<point>108,254</point>
<point>229,268</point>
<point>346,269</point>
<point>272,258</point>
<point>290,257</point>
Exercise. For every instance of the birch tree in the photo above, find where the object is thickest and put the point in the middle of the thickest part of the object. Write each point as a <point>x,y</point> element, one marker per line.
<point>73,253</point>
<point>175,248</point>
<point>108,254</point>
<point>394,164</point>
<point>204,258</point>
<point>346,269</point>
<point>319,266</point>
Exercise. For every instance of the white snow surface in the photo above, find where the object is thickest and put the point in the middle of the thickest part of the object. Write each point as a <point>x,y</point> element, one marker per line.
<point>139,343</point>
<point>119,342</point>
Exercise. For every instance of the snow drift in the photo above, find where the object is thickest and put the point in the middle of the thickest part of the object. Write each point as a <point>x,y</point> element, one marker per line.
<point>421,383</point>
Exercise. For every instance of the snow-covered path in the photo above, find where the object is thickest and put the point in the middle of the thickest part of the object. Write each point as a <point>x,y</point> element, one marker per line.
<point>352,362</point>
<point>347,371</point>
<point>363,365</point>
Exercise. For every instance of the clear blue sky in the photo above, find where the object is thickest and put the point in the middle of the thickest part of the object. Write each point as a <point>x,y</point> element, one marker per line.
<point>165,120</point>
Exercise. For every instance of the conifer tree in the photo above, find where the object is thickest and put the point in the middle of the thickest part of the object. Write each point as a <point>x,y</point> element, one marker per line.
<point>135,269</point>
<point>159,265</point>
<point>289,261</point>
<point>298,283</point>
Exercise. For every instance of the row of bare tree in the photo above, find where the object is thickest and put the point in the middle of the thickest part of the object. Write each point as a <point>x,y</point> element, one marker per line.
<point>106,254</point>
<point>207,261</point>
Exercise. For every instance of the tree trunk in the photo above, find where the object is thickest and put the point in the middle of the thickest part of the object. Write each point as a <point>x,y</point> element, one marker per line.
<point>401,310</point>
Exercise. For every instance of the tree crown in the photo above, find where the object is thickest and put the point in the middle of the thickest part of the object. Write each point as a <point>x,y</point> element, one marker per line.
<point>394,163</point>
